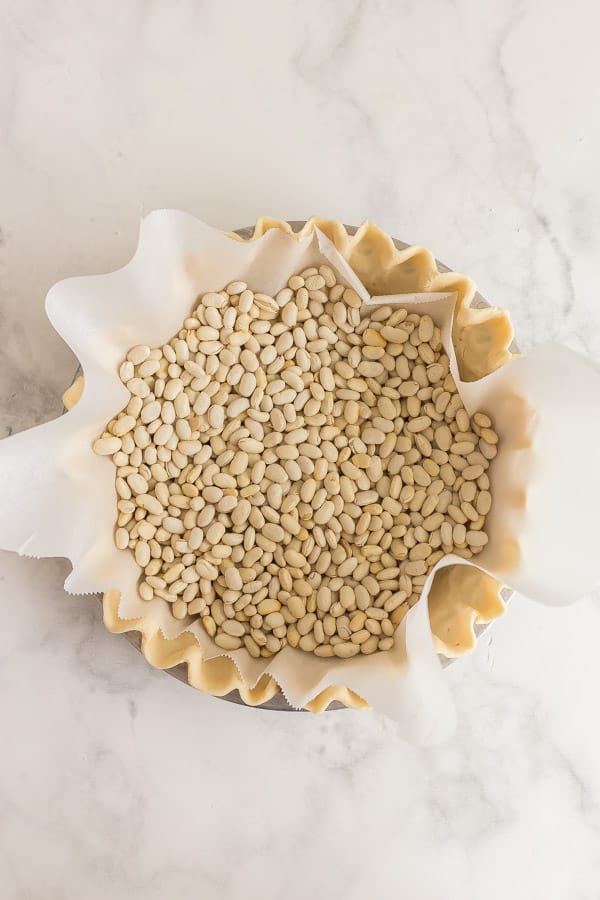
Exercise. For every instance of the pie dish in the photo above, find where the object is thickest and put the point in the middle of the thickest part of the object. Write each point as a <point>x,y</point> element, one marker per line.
<point>461,597</point>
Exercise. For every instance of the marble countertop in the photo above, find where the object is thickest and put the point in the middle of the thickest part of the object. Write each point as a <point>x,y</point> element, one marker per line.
<point>464,126</point>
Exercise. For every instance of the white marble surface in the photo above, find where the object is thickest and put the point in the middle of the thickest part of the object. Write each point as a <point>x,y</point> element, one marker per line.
<point>470,127</point>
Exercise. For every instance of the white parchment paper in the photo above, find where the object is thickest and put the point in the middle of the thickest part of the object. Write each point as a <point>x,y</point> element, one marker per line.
<point>58,497</point>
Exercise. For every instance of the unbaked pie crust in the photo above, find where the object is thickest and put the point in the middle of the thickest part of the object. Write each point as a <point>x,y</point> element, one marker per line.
<point>461,597</point>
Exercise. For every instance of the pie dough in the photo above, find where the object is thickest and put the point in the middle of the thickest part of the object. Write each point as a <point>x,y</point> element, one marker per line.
<point>461,597</point>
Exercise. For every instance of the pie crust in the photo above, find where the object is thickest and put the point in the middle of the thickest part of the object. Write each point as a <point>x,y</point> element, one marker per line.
<point>461,597</point>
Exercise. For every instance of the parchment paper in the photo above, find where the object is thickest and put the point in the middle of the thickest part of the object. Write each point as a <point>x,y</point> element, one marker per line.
<point>58,497</point>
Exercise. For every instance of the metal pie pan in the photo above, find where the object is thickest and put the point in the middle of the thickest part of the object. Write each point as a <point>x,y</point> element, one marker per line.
<point>278,701</point>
